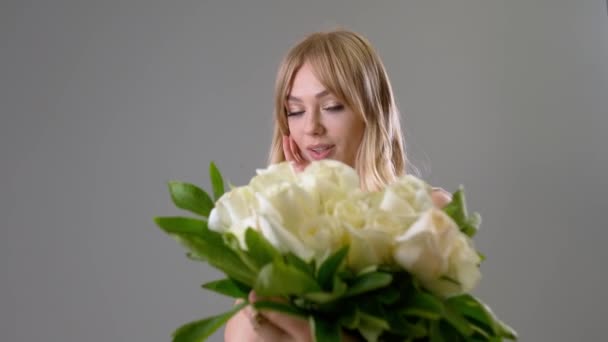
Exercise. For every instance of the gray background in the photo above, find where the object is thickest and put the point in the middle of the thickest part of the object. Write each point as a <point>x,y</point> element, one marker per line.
<point>103,102</point>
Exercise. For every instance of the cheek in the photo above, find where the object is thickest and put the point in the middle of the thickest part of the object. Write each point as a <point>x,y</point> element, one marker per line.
<point>295,131</point>
<point>353,142</point>
<point>352,134</point>
<point>293,127</point>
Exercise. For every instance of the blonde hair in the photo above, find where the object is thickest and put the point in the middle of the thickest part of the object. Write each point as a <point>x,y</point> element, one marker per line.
<point>347,65</point>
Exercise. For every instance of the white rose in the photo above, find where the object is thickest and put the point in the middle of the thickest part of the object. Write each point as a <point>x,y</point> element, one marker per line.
<point>323,235</point>
<point>288,209</point>
<point>283,239</point>
<point>289,203</point>
<point>370,231</point>
<point>463,267</point>
<point>243,207</point>
<point>407,196</point>
<point>273,175</point>
<point>438,254</point>
<point>352,211</point>
<point>332,181</point>
<point>234,212</point>
<point>337,174</point>
<point>368,247</point>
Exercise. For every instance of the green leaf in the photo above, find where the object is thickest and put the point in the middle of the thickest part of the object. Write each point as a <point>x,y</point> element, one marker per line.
<point>330,267</point>
<point>457,210</point>
<point>371,327</point>
<point>481,315</point>
<point>216,181</point>
<point>199,330</point>
<point>262,251</point>
<point>339,289</point>
<point>324,330</point>
<point>293,260</point>
<point>471,308</point>
<point>181,225</point>
<point>223,259</point>
<point>369,282</point>
<point>194,257</point>
<point>401,326</point>
<point>285,308</point>
<point>424,305</point>
<point>349,316</point>
<point>450,334</point>
<point>190,197</point>
<point>368,269</point>
<point>388,296</point>
<point>232,242</point>
<point>480,332</point>
<point>370,334</point>
<point>473,222</point>
<point>228,287</point>
<point>184,229</point>
<point>279,279</point>
<point>209,245</point>
<point>435,334</point>
<point>373,321</point>
<point>506,331</point>
<point>458,321</point>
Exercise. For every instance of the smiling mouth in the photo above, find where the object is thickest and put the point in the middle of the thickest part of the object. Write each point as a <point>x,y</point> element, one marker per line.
<point>320,152</point>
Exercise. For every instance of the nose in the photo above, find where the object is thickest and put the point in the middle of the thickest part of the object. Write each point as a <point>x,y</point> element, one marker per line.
<point>314,124</point>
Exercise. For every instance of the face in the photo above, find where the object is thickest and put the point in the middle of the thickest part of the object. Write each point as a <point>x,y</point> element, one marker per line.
<point>321,125</point>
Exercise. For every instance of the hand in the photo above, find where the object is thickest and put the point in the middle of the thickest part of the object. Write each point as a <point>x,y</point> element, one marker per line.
<point>250,325</point>
<point>440,197</point>
<point>293,154</point>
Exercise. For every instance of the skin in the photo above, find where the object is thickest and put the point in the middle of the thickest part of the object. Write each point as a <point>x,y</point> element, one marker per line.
<point>315,117</point>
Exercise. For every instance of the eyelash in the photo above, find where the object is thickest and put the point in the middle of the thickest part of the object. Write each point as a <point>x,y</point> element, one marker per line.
<point>332,109</point>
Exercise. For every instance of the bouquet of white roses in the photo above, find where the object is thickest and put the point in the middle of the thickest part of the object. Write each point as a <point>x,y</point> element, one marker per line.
<point>385,265</point>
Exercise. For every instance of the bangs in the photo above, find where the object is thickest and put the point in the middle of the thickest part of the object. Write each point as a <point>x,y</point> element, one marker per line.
<point>333,66</point>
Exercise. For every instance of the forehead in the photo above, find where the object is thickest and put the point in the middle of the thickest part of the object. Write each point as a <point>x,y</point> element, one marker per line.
<point>305,82</point>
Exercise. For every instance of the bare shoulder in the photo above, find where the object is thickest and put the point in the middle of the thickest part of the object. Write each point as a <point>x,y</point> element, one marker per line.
<point>440,197</point>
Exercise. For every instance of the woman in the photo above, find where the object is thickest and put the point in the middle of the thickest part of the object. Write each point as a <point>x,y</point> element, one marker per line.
<point>333,99</point>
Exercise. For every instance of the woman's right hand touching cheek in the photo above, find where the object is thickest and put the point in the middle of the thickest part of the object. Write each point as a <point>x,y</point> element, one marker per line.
<point>293,154</point>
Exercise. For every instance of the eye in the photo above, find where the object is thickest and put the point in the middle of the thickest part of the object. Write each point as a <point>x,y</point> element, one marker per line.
<point>295,113</point>
<point>335,109</point>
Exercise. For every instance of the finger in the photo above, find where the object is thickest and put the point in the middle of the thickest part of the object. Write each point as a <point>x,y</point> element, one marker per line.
<point>287,149</point>
<point>241,328</point>
<point>295,151</point>
<point>440,197</point>
<point>301,162</point>
<point>258,328</point>
<point>291,325</point>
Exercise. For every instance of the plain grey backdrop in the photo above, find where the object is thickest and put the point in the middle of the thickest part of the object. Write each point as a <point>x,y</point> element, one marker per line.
<point>103,102</point>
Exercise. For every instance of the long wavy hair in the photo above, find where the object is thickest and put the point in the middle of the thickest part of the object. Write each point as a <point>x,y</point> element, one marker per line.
<point>348,66</point>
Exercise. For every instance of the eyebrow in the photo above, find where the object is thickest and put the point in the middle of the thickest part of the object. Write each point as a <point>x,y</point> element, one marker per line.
<point>318,95</point>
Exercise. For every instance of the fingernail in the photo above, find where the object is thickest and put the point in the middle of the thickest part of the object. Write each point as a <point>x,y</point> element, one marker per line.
<point>252,296</point>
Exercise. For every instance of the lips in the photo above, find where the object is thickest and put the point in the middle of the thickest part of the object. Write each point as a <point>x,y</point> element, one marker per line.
<point>320,151</point>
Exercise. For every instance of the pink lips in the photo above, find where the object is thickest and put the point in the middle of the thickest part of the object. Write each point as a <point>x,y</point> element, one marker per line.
<point>321,151</point>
